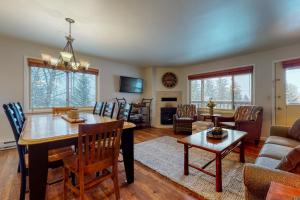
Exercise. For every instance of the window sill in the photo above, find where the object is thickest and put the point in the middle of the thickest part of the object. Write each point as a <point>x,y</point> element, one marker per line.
<point>225,112</point>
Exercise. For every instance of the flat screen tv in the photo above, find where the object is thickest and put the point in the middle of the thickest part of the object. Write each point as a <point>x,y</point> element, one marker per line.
<point>131,85</point>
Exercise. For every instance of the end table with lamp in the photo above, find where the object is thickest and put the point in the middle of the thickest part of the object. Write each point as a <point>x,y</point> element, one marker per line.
<point>208,116</point>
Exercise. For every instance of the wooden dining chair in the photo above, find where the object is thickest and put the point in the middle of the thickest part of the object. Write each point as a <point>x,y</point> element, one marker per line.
<point>124,111</point>
<point>54,156</point>
<point>60,110</point>
<point>109,109</point>
<point>98,108</point>
<point>98,150</point>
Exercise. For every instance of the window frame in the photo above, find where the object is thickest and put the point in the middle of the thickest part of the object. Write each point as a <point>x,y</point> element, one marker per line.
<point>223,73</point>
<point>28,92</point>
<point>285,69</point>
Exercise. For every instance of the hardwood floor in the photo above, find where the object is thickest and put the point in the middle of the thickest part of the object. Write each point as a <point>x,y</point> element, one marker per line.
<point>148,184</point>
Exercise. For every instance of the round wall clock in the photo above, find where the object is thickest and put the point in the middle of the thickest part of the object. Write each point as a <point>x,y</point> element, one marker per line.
<point>169,80</point>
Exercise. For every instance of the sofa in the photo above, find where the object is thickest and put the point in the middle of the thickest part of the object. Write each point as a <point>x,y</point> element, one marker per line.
<point>258,176</point>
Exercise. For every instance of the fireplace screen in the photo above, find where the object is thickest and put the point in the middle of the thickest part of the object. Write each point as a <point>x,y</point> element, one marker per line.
<point>166,115</point>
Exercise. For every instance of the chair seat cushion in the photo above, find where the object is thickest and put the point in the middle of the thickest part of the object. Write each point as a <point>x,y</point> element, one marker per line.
<point>282,141</point>
<point>274,151</point>
<point>59,154</point>
<point>71,162</point>
<point>54,155</point>
<point>267,162</point>
<point>184,118</point>
<point>228,124</point>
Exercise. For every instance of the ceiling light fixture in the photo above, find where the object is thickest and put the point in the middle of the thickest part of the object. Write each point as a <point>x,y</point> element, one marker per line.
<point>67,57</point>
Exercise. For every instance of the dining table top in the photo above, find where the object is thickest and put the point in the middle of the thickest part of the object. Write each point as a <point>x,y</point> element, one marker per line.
<point>43,128</point>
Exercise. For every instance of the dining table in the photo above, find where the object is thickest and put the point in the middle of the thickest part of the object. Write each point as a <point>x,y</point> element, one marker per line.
<point>43,132</point>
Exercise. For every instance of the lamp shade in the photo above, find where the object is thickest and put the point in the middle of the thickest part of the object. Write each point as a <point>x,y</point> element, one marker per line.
<point>84,64</point>
<point>46,57</point>
<point>66,56</point>
<point>54,61</point>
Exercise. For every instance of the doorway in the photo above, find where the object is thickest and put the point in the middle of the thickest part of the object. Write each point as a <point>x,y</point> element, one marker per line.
<point>287,92</point>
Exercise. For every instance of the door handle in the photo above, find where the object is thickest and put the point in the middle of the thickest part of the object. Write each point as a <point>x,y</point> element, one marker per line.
<point>279,108</point>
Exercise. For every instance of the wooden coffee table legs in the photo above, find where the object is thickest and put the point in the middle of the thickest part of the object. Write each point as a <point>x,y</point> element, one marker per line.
<point>218,172</point>
<point>218,160</point>
<point>186,159</point>
<point>242,151</point>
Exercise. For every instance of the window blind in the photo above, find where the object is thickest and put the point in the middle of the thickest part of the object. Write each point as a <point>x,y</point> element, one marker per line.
<point>227,72</point>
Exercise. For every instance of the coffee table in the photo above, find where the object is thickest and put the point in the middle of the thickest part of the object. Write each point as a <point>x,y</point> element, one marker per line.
<point>220,147</point>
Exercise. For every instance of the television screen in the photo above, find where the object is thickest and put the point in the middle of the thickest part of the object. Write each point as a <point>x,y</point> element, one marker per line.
<point>131,85</point>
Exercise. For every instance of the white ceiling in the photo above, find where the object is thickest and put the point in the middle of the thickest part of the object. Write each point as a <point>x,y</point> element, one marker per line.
<point>156,32</point>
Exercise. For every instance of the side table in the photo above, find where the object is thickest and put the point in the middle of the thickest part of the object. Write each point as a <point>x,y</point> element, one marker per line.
<point>278,191</point>
<point>210,117</point>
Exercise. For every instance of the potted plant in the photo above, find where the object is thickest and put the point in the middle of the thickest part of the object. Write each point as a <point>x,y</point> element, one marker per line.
<point>211,104</point>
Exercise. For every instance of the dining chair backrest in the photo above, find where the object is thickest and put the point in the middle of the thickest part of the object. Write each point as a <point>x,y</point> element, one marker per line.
<point>99,142</point>
<point>20,109</point>
<point>61,110</point>
<point>120,100</point>
<point>124,111</point>
<point>109,109</point>
<point>98,108</point>
<point>17,115</point>
<point>13,121</point>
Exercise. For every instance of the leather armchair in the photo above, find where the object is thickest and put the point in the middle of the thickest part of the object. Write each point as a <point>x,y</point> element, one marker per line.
<point>246,118</point>
<point>184,117</point>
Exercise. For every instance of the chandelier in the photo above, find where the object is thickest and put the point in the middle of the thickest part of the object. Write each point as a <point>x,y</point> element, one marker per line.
<point>67,58</point>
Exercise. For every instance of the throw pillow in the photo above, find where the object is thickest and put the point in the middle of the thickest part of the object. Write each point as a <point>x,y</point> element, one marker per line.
<point>294,131</point>
<point>291,162</point>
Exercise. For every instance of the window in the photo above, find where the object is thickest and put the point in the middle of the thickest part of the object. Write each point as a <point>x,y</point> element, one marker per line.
<point>228,88</point>
<point>292,85</point>
<point>242,89</point>
<point>57,88</point>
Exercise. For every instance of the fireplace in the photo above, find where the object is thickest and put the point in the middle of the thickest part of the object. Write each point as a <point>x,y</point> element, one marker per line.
<point>166,115</point>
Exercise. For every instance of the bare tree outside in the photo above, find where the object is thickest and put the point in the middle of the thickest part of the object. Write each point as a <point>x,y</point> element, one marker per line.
<point>292,86</point>
<point>49,88</point>
<point>292,93</point>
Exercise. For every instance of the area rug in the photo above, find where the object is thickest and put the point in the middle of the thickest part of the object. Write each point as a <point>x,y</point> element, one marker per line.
<point>165,156</point>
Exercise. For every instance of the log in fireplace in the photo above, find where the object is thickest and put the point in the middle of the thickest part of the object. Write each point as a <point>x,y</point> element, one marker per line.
<point>166,115</point>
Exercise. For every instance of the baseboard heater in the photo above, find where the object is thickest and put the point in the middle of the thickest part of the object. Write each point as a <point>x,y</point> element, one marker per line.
<point>7,145</point>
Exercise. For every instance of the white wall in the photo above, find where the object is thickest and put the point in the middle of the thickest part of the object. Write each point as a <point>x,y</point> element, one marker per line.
<point>153,84</point>
<point>263,75</point>
<point>12,53</point>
